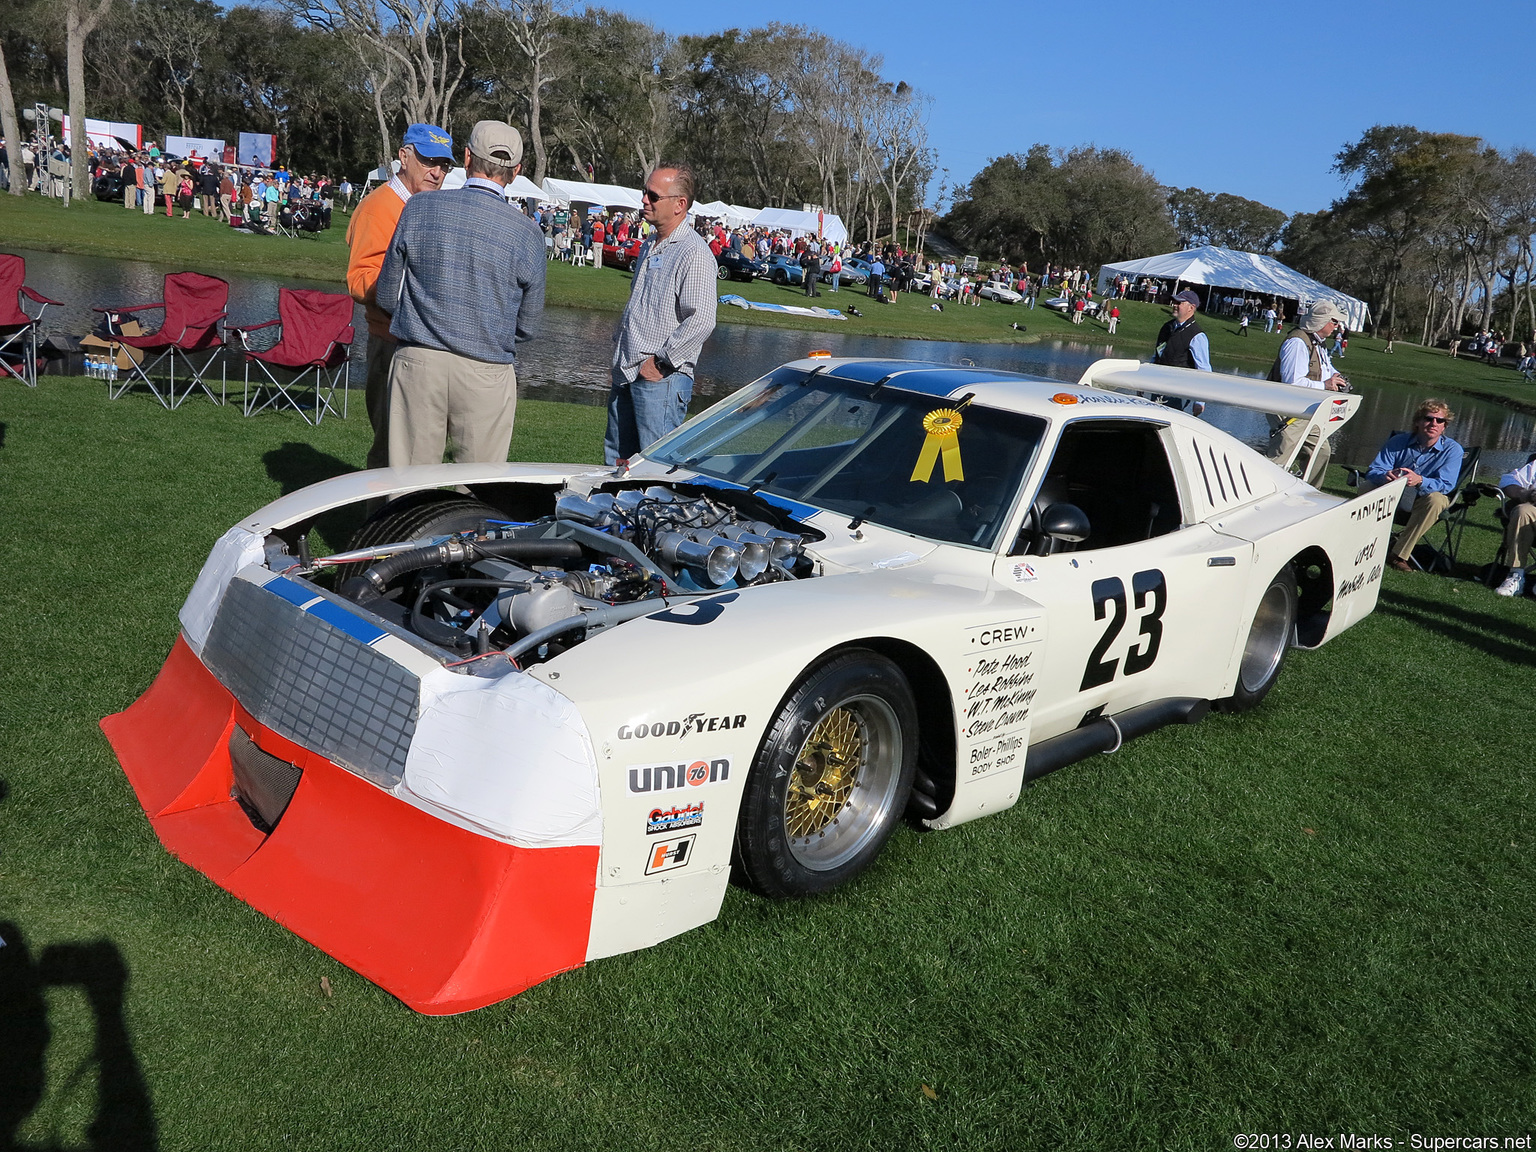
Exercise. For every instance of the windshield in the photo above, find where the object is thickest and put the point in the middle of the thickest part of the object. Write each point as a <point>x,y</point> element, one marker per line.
<point>878,454</point>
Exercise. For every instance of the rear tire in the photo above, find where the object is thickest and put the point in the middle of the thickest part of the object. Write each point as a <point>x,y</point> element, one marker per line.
<point>722,272</point>
<point>831,779</point>
<point>1269,636</point>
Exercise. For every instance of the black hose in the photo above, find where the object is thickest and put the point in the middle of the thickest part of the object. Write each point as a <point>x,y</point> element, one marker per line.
<point>446,634</point>
<point>538,551</point>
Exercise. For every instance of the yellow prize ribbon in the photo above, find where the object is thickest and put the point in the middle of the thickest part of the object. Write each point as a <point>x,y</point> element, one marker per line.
<point>943,428</point>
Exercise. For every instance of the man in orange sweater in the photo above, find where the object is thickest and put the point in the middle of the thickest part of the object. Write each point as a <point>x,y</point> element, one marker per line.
<point>426,156</point>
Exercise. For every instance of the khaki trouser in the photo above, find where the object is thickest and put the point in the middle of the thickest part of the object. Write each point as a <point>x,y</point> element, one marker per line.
<point>434,395</point>
<point>1282,443</point>
<point>1423,508</point>
<point>1520,534</point>
<point>381,351</point>
<point>1427,509</point>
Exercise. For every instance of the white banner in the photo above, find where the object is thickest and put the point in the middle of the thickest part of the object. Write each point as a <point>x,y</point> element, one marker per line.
<point>109,134</point>
<point>189,146</point>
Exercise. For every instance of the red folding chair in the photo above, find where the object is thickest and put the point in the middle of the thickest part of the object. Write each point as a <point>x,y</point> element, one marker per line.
<point>19,329</point>
<point>194,309</point>
<point>314,343</point>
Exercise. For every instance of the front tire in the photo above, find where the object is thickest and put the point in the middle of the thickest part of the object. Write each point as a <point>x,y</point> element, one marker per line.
<point>1269,636</point>
<point>722,272</point>
<point>831,779</point>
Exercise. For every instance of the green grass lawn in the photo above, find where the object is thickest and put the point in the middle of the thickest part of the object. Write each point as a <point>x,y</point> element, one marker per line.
<point>1317,917</point>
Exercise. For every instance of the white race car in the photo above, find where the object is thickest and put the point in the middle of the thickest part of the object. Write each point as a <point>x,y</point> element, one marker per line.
<point>511,732</point>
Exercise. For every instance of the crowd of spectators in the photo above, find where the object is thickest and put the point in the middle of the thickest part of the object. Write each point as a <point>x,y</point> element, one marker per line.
<point>151,180</point>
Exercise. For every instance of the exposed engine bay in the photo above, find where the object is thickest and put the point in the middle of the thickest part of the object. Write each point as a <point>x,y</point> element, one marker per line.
<point>476,584</point>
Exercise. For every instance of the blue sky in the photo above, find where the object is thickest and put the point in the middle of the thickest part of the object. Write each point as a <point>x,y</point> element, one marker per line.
<point>1247,98</point>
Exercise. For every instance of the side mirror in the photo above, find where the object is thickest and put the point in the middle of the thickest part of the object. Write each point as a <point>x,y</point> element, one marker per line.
<point>1042,531</point>
<point>1065,522</point>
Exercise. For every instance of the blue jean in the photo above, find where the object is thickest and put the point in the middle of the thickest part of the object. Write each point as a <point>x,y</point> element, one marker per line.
<point>836,276</point>
<point>641,412</point>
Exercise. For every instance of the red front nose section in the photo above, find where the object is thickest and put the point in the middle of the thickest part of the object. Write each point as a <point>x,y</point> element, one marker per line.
<point>442,918</point>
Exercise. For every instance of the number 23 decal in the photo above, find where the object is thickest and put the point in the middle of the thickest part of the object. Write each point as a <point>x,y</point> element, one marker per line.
<point>1151,593</point>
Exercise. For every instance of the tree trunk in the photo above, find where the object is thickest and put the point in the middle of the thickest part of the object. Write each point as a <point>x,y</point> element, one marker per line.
<point>378,107</point>
<point>535,131</point>
<point>77,26</point>
<point>18,172</point>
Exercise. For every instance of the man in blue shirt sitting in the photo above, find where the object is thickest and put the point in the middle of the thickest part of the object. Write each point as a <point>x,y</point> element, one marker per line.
<point>1431,461</point>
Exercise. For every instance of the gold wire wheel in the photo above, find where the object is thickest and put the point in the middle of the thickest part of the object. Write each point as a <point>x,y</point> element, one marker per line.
<point>842,789</point>
<point>825,772</point>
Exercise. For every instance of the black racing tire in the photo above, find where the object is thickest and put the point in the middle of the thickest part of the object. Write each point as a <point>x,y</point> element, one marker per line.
<point>431,512</point>
<point>1270,635</point>
<point>722,272</point>
<point>780,277</point>
<point>808,822</point>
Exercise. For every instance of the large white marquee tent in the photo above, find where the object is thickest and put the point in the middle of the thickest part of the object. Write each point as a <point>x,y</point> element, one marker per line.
<point>578,192</point>
<point>807,223</point>
<point>1244,271</point>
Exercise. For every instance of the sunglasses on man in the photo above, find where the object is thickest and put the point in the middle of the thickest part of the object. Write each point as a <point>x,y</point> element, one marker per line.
<point>652,195</point>
<point>1435,419</point>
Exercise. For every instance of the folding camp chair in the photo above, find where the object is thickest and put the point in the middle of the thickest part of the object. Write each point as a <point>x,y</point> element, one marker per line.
<point>194,310</point>
<point>1454,518</point>
<point>316,337</point>
<point>18,328</point>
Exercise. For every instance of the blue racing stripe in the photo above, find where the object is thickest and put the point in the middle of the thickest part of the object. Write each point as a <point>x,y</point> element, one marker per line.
<point>290,591</point>
<point>338,617</point>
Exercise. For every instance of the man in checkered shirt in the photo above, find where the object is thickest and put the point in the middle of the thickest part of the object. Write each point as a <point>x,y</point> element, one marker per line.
<point>671,312</point>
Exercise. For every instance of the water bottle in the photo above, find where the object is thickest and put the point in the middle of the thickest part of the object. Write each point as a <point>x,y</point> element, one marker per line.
<point>112,368</point>
<point>90,365</point>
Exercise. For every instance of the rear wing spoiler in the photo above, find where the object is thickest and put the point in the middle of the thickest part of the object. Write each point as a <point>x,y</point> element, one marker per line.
<point>1326,412</point>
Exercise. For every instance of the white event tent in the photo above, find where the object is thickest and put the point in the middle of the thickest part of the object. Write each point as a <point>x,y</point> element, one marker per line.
<point>577,192</point>
<point>1245,271</point>
<point>803,223</point>
<point>521,187</point>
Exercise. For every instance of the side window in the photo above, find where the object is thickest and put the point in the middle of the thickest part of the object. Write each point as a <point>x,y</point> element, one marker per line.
<point>1117,472</point>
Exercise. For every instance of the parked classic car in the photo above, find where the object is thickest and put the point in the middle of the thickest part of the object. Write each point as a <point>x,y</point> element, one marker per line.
<point>509,732</point>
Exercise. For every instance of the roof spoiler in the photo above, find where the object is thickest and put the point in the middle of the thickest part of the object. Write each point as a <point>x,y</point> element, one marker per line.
<point>1326,412</point>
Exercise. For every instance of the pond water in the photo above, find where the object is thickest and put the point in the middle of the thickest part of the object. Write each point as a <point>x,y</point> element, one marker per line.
<point>569,359</point>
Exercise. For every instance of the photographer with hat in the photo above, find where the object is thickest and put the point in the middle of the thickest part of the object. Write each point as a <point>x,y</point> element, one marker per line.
<point>1303,361</point>
<point>464,280</point>
<point>426,156</point>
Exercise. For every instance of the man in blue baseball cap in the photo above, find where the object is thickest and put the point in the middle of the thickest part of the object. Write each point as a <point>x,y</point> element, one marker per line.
<point>426,156</point>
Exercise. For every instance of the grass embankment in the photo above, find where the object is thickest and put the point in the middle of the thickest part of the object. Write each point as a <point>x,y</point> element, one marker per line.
<point>1315,917</point>
<point>96,229</point>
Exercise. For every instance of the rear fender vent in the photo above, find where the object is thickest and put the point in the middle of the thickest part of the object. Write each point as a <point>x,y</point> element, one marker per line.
<point>1223,478</point>
<point>263,784</point>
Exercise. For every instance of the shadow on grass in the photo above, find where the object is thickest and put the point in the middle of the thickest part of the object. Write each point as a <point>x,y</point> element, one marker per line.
<point>1513,643</point>
<point>124,1117</point>
<point>295,466</point>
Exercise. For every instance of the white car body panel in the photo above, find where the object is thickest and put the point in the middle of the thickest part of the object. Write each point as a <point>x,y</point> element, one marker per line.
<point>1014,637</point>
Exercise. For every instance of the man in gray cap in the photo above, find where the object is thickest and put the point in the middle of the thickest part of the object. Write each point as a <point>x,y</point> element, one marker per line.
<point>463,281</point>
<point>1303,361</point>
